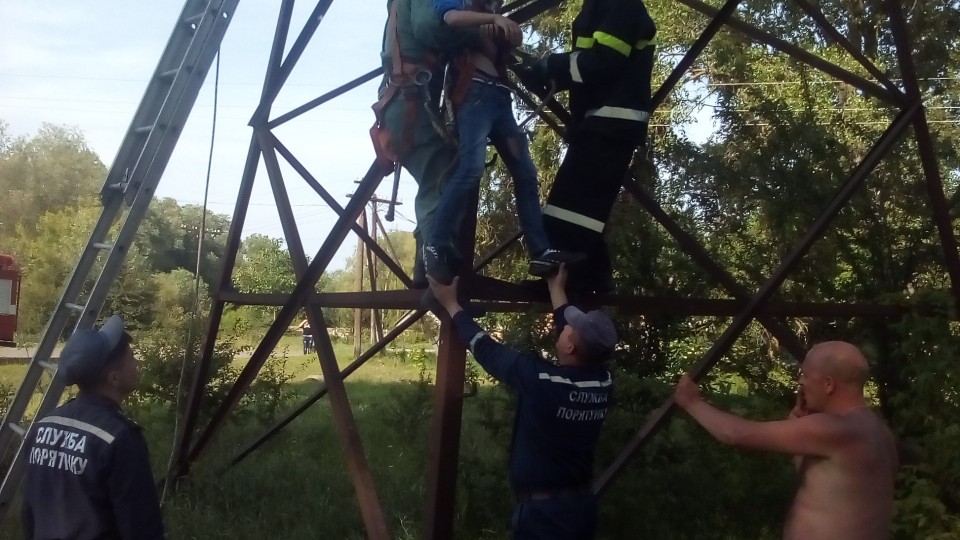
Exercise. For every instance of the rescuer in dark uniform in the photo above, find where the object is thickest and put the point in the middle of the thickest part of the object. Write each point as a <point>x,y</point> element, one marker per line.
<point>561,407</point>
<point>87,468</point>
<point>608,75</point>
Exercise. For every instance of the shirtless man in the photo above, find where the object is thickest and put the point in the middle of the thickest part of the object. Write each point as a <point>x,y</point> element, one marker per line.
<point>845,455</point>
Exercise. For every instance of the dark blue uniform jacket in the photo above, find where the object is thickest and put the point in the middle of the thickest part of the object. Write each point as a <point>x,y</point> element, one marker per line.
<point>88,476</point>
<point>560,410</point>
<point>608,71</point>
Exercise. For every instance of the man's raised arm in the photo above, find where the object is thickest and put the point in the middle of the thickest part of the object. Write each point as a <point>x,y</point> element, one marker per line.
<point>496,358</point>
<point>810,435</point>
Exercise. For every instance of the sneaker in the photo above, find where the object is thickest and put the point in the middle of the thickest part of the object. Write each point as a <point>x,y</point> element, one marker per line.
<point>438,263</point>
<point>549,260</point>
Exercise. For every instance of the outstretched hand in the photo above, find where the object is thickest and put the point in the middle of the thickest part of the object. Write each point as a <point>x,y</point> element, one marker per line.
<point>557,281</point>
<point>508,29</point>
<point>535,70</point>
<point>687,392</point>
<point>446,294</point>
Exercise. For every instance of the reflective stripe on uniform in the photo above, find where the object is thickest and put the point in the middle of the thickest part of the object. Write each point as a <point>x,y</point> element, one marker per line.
<point>588,43</point>
<point>574,68</point>
<point>612,41</point>
<point>563,214</point>
<point>644,43</point>
<point>578,384</point>
<point>621,113</point>
<point>476,337</point>
<point>78,424</point>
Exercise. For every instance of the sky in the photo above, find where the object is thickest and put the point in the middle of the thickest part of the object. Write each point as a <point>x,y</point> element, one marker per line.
<point>86,64</point>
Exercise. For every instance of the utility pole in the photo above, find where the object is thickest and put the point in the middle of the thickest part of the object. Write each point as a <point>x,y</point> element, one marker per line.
<point>358,283</point>
<point>376,322</point>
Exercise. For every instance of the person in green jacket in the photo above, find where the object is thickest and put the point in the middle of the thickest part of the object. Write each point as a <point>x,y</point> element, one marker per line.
<point>410,131</point>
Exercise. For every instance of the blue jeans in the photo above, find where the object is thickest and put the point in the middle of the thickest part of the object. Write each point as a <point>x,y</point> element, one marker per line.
<point>487,112</point>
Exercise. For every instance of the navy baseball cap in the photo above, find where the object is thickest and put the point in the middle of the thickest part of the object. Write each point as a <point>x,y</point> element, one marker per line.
<point>85,356</point>
<point>597,332</point>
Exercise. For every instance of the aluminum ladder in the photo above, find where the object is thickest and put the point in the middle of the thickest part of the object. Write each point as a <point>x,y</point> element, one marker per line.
<point>126,194</point>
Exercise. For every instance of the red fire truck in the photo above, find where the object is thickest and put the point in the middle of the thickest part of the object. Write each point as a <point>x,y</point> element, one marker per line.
<point>9,292</point>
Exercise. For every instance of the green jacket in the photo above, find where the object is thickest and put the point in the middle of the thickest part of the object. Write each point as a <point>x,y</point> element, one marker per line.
<point>421,33</point>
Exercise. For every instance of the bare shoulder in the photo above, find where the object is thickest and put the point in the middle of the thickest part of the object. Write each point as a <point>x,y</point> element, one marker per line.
<point>866,426</point>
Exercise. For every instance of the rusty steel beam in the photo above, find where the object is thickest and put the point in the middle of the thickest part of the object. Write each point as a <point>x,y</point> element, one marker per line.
<point>370,508</point>
<point>817,15</point>
<point>387,260</point>
<point>867,86</point>
<point>336,92</point>
<point>697,252</point>
<point>180,463</point>
<point>928,155</point>
<point>298,297</point>
<point>515,5</point>
<point>405,322</point>
<point>716,23</point>
<point>511,298</point>
<point>720,347</point>
<point>702,257</point>
<point>285,68</point>
<point>444,448</point>
<point>524,13</point>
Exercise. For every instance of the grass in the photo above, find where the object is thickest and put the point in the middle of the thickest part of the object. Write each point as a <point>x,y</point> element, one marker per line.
<point>296,486</point>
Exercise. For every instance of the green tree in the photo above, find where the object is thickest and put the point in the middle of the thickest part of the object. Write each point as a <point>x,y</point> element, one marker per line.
<point>52,170</point>
<point>47,255</point>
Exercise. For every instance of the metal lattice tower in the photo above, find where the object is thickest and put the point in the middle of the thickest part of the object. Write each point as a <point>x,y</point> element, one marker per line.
<point>745,305</point>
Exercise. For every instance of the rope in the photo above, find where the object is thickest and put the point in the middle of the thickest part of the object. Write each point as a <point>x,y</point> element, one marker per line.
<point>188,346</point>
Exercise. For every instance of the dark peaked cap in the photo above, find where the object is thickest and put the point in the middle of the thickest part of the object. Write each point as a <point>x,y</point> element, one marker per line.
<point>87,352</point>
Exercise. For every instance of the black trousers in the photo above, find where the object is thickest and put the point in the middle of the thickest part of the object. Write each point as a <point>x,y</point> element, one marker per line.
<point>580,202</point>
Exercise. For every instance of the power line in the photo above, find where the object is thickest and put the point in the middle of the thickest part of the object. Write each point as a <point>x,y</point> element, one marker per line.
<point>113,79</point>
<point>114,102</point>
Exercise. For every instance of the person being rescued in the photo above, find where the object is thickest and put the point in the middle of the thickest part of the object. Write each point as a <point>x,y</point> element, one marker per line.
<point>483,110</point>
<point>408,131</point>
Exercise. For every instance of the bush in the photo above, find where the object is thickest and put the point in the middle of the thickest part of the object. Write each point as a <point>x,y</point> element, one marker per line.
<point>162,356</point>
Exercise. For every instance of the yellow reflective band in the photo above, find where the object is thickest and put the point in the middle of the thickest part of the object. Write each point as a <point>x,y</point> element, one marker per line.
<point>613,42</point>
<point>575,68</point>
<point>583,42</point>
<point>644,43</point>
<point>563,214</point>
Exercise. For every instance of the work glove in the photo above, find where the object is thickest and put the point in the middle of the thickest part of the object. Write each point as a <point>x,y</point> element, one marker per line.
<point>533,71</point>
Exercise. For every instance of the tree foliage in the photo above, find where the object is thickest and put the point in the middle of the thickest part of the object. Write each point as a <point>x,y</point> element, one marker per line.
<point>784,139</point>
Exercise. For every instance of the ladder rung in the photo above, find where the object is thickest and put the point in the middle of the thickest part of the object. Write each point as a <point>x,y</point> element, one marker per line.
<point>194,19</point>
<point>169,74</point>
<point>144,129</point>
<point>75,307</point>
<point>17,429</point>
<point>49,366</point>
<point>102,245</point>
